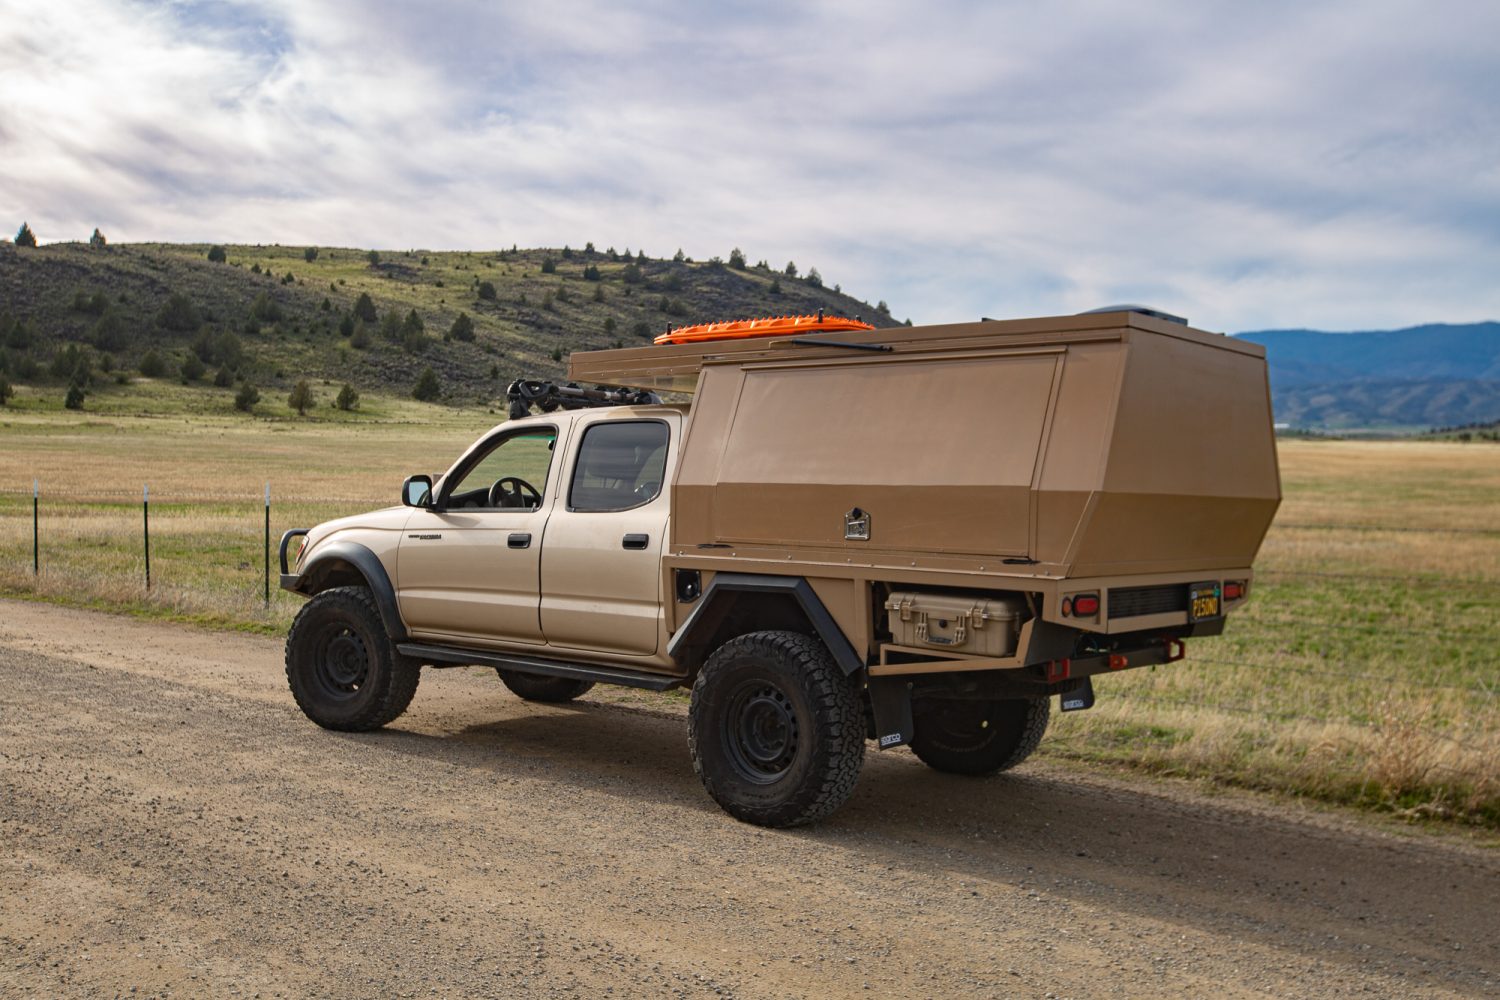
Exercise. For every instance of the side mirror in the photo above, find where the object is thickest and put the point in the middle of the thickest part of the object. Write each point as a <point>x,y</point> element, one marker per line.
<point>417,491</point>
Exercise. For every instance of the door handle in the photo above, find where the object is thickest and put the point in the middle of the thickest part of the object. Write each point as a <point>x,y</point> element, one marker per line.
<point>636,541</point>
<point>519,540</point>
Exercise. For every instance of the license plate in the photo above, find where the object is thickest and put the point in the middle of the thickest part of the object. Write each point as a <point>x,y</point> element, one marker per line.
<point>1203,601</point>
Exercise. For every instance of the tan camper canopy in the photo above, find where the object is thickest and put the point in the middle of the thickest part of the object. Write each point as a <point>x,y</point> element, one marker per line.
<point>1077,446</point>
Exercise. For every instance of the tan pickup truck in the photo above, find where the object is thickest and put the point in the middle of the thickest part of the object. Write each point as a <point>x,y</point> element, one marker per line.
<point>912,536</point>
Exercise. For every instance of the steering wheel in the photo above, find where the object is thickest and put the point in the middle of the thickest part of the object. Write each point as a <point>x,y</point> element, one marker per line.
<point>513,491</point>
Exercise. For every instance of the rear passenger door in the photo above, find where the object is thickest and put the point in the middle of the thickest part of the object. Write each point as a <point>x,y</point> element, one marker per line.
<point>601,557</point>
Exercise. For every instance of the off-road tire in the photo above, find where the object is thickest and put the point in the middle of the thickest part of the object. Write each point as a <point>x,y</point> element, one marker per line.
<point>775,729</point>
<point>343,669</point>
<point>549,689</point>
<point>978,737</point>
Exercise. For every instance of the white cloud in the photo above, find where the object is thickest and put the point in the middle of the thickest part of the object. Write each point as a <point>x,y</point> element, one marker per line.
<point>1248,165</point>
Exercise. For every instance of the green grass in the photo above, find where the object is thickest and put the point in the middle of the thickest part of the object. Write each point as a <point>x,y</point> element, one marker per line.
<point>1364,671</point>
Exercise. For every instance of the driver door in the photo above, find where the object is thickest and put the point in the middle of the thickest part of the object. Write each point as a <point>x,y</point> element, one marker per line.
<point>470,566</point>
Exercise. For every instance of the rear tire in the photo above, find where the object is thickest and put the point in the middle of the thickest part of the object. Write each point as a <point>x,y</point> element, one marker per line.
<point>978,737</point>
<point>531,687</point>
<point>343,669</point>
<point>775,729</point>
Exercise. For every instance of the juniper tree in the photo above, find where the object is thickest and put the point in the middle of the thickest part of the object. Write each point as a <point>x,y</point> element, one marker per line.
<point>25,237</point>
<point>427,388</point>
<point>301,397</point>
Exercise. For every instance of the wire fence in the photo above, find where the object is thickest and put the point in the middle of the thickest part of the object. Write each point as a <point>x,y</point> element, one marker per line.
<point>1399,633</point>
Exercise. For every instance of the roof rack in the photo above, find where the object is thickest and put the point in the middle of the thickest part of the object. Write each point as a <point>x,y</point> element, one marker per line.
<point>547,396</point>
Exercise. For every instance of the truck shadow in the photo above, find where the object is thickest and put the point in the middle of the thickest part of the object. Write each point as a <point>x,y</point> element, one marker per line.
<point>1042,832</point>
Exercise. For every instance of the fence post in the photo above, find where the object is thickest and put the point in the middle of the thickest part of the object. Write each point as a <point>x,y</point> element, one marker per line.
<point>36,535</point>
<point>146,528</point>
<point>268,543</point>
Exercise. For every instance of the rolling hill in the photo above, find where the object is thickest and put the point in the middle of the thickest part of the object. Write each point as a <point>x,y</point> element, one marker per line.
<point>1418,377</point>
<point>270,315</point>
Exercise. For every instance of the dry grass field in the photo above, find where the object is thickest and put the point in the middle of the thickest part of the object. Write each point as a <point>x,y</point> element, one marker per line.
<point>1366,669</point>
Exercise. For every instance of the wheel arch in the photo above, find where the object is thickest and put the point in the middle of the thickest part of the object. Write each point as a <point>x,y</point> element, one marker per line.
<point>345,564</point>
<point>737,603</point>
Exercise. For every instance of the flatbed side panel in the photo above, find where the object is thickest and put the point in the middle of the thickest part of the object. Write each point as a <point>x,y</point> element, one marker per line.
<point>939,453</point>
<point>1191,476</point>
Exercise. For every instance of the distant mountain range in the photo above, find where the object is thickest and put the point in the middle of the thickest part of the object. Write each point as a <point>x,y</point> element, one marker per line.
<point>1422,376</point>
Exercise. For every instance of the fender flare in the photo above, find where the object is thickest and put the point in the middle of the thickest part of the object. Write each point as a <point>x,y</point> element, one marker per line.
<point>376,578</point>
<point>718,598</point>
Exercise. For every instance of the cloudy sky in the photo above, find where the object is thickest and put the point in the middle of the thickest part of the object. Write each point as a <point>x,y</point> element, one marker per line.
<point>1246,164</point>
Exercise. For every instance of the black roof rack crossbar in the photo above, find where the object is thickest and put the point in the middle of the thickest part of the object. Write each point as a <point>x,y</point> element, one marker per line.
<point>547,396</point>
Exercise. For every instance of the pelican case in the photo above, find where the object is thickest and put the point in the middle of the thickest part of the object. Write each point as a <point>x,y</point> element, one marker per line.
<point>955,623</point>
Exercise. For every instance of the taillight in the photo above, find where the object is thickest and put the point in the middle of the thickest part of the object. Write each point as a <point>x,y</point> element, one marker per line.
<point>1086,605</point>
<point>1234,590</point>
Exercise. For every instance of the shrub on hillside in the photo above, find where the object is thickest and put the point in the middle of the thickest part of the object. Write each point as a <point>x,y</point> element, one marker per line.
<point>97,241</point>
<point>390,327</point>
<point>882,308</point>
<point>310,254</point>
<point>266,309</point>
<point>223,378</point>
<point>247,397</point>
<point>641,329</point>
<point>364,308</point>
<point>814,278</point>
<point>427,388</point>
<point>487,290</point>
<point>192,368</point>
<point>373,257</point>
<point>74,399</point>
<point>109,333</point>
<point>152,366</point>
<point>218,255</point>
<point>179,314</point>
<point>591,273</point>
<point>631,274</point>
<point>737,259</point>
<point>25,237</point>
<point>346,325</point>
<point>347,399</point>
<point>94,304</point>
<point>549,266</point>
<point>361,339</point>
<point>462,329</point>
<point>301,397</point>
<point>791,270</point>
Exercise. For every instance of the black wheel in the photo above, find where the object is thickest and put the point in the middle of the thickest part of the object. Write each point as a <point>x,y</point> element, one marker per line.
<point>535,688</point>
<point>343,669</point>
<point>978,737</point>
<point>775,729</point>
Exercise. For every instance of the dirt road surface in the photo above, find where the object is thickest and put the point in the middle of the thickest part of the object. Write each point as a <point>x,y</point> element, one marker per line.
<point>171,825</point>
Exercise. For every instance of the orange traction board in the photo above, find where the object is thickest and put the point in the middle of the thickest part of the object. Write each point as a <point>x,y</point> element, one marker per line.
<point>770,326</point>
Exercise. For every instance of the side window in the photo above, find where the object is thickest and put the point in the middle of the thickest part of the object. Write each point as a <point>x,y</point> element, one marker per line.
<point>620,466</point>
<point>511,475</point>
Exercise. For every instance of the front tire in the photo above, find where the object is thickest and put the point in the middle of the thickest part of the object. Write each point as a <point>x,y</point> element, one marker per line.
<point>978,737</point>
<point>775,729</point>
<point>553,690</point>
<point>343,669</point>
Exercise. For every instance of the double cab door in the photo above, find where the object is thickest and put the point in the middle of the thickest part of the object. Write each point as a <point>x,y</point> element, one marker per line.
<point>546,533</point>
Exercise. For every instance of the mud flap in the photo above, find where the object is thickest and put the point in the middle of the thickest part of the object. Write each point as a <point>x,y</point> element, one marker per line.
<point>1077,696</point>
<point>890,702</point>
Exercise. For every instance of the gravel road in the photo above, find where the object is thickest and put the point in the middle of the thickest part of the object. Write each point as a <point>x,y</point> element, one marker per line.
<point>170,824</point>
